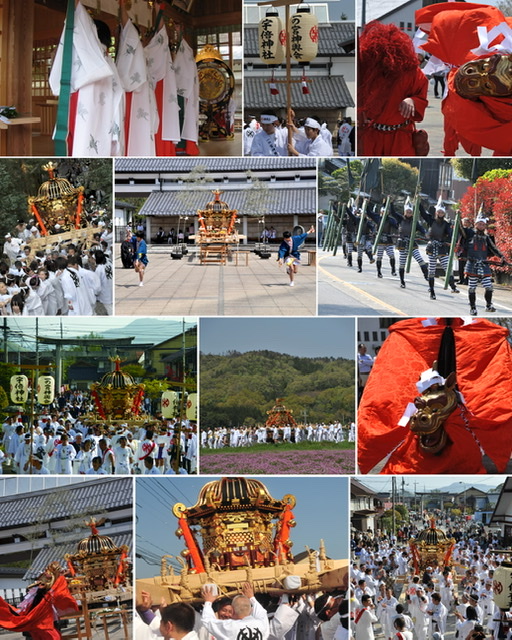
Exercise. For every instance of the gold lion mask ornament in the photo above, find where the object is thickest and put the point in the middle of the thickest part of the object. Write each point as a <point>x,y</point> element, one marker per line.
<point>485,77</point>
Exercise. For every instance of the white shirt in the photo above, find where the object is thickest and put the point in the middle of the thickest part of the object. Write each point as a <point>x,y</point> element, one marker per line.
<point>256,623</point>
<point>275,144</point>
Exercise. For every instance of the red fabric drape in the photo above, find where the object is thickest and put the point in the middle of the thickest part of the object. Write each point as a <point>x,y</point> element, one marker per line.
<point>39,620</point>
<point>484,371</point>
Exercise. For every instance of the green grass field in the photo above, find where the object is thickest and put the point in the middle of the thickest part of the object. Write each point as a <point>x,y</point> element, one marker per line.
<point>301,446</point>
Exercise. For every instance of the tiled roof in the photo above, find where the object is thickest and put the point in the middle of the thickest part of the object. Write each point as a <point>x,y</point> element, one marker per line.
<point>185,165</point>
<point>325,93</point>
<point>57,553</point>
<point>331,38</point>
<point>23,509</point>
<point>281,201</point>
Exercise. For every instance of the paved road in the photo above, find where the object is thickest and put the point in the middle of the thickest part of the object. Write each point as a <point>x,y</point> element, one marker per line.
<point>345,292</point>
<point>433,123</point>
<point>185,287</point>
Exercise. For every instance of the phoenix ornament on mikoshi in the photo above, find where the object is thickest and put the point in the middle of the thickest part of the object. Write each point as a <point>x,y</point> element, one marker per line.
<point>58,206</point>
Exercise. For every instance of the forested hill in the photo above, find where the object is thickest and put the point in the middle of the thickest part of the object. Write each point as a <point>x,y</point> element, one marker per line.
<point>239,388</point>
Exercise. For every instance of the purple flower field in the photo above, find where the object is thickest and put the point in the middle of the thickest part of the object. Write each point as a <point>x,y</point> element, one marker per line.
<point>313,462</point>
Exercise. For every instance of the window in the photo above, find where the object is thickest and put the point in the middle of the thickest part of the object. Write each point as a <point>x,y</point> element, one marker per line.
<point>42,58</point>
<point>228,42</point>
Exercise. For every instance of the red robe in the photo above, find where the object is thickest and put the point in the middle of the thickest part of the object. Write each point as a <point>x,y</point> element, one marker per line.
<point>39,620</point>
<point>373,142</point>
<point>484,371</point>
<point>452,29</point>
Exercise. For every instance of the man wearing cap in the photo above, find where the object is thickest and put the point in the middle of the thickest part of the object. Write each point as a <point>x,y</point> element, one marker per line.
<point>310,142</point>
<point>12,247</point>
<point>438,248</point>
<point>480,248</point>
<point>270,140</point>
<point>289,254</point>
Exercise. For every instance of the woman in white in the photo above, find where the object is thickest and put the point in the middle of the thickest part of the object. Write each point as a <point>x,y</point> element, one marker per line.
<point>85,456</point>
<point>64,455</point>
<point>124,457</point>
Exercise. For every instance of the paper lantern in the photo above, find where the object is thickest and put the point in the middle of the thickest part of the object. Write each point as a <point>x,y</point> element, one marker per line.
<point>271,38</point>
<point>502,586</point>
<point>304,35</point>
<point>192,406</point>
<point>170,400</point>
<point>19,389</point>
<point>45,389</point>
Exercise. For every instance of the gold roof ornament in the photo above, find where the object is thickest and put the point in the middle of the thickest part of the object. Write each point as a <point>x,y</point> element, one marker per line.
<point>431,547</point>
<point>237,532</point>
<point>279,416</point>
<point>117,396</point>
<point>217,221</point>
<point>58,206</point>
<point>99,564</point>
<point>208,52</point>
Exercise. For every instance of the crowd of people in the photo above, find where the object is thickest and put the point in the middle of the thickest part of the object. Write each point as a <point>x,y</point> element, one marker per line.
<point>219,437</point>
<point>392,598</point>
<point>474,248</point>
<point>65,277</point>
<point>68,439</point>
<point>309,136</point>
<point>246,616</point>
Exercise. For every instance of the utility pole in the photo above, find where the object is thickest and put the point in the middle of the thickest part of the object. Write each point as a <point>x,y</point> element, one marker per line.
<point>6,354</point>
<point>393,500</point>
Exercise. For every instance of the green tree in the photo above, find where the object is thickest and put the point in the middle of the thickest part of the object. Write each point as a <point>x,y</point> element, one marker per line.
<point>466,166</point>
<point>6,372</point>
<point>155,388</point>
<point>398,176</point>
<point>136,370</point>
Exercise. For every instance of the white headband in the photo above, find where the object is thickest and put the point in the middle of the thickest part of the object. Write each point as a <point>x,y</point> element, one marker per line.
<point>312,124</point>
<point>429,378</point>
<point>268,119</point>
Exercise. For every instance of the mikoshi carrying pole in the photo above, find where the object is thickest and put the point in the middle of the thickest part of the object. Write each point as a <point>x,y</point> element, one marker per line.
<point>381,225</point>
<point>455,232</point>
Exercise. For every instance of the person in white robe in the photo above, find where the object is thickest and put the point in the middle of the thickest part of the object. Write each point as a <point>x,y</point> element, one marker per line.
<point>141,118</point>
<point>310,141</point>
<point>96,123</point>
<point>64,454</point>
<point>270,139</point>
<point>188,87</point>
<point>162,80</point>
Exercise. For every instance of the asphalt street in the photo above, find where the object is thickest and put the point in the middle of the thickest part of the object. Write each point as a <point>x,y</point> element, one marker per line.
<point>345,292</point>
<point>433,124</point>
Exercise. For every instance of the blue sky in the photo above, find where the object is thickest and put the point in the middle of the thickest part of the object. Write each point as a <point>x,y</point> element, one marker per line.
<point>426,483</point>
<point>155,523</point>
<point>305,337</point>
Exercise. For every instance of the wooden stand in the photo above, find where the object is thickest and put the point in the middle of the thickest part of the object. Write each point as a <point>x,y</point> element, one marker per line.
<point>213,252</point>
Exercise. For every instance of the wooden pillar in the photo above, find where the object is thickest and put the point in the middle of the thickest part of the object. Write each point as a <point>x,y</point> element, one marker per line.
<point>16,38</point>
